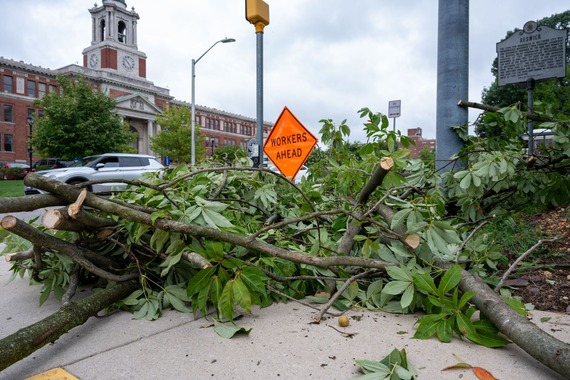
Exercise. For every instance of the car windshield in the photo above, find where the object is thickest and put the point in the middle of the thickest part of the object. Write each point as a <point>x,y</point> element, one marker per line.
<point>85,161</point>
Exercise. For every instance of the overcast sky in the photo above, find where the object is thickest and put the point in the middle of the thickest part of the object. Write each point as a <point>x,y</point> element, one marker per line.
<point>323,59</point>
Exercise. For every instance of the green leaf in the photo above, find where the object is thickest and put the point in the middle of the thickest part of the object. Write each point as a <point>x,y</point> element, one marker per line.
<point>202,299</point>
<point>445,330</point>
<point>169,262</point>
<point>398,273</point>
<point>449,280</point>
<point>371,366</point>
<point>228,330</point>
<point>395,287</point>
<point>177,303</point>
<point>200,280</point>
<point>465,182</point>
<point>400,217</point>
<point>465,298</point>
<point>408,296</point>
<point>465,326</point>
<point>254,278</point>
<point>351,292</point>
<point>428,325</point>
<point>215,219</point>
<point>425,282</point>
<point>226,303</point>
<point>241,294</point>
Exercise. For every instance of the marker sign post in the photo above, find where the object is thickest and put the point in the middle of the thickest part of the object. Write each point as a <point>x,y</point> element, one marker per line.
<point>289,144</point>
<point>537,52</point>
<point>394,110</point>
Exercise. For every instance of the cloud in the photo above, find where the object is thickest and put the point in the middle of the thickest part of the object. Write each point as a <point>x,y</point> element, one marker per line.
<point>322,59</point>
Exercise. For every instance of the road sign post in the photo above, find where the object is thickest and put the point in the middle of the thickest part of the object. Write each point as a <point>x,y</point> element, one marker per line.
<point>289,144</point>
<point>394,110</point>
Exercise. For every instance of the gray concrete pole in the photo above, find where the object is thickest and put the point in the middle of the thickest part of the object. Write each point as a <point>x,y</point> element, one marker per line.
<point>452,78</point>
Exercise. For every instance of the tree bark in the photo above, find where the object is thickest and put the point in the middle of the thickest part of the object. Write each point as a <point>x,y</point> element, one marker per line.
<point>550,351</point>
<point>29,203</point>
<point>25,341</point>
<point>353,229</point>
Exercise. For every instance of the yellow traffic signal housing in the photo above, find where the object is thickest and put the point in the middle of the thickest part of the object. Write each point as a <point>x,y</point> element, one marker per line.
<point>257,11</point>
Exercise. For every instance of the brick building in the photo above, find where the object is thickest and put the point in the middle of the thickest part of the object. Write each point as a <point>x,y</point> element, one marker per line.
<point>421,143</point>
<point>114,65</point>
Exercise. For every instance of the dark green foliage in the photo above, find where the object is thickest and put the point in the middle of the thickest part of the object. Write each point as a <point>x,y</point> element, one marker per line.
<point>79,122</point>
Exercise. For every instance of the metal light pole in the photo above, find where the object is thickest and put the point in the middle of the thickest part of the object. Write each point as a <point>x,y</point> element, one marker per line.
<point>30,121</point>
<point>193,121</point>
<point>257,13</point>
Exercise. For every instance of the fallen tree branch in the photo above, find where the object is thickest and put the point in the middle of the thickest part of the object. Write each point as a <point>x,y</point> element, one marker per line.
<point>486,107</point>
<point>29,203</point>
<point>29,339</point>
<point>385,165</point>
<point>550,351</point>
<point>71,192</point>
<point>196,260</point>
<point>16,226</point>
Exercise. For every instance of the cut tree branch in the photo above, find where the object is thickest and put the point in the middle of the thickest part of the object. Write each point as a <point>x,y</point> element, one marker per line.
<point>29,339</point>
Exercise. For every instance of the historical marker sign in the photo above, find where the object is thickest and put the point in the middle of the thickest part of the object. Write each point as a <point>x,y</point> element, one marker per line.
<point>289,144</point>
<point>536,52</point>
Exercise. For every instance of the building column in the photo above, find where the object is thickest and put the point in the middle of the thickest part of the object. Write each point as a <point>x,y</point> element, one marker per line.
<point>150,134</point>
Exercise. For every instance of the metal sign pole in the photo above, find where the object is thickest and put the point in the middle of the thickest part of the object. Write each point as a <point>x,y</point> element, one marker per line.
<point>530,89</point>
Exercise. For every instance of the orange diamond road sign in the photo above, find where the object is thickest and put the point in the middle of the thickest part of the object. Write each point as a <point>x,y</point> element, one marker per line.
<point>289,144</point>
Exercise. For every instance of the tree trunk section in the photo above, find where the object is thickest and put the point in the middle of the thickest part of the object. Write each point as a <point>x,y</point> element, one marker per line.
<point>25,341</point>
<point>545,348</point>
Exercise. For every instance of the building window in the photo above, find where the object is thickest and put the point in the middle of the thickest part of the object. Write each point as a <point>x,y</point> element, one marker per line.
<point>207,126</point>
<point>41,90</point>
<point>8,143</point>
<point>52,89</point>
<point>8,113</point>
<point>8,84</point>
<point>32,89</point>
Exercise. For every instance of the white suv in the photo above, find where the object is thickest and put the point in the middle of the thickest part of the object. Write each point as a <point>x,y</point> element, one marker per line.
<point>106,166</point>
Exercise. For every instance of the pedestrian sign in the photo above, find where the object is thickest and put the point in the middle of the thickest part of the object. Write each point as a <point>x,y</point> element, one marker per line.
<point>289,144</point>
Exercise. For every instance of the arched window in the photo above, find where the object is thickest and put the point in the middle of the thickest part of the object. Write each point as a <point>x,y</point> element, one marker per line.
<point>122,32</point>
<point>102,30</point>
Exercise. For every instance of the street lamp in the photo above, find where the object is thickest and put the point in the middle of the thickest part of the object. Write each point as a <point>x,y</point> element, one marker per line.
<point>193,121</point>
<point>212,143</point>
<point>30,121</point>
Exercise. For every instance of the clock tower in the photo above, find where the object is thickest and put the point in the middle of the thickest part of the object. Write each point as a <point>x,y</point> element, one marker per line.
<point>114,40</point>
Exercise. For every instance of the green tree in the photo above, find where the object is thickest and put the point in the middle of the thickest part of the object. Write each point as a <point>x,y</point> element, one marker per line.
<point>552,96</point>
<point>79,121</point>
<point>175,138</point>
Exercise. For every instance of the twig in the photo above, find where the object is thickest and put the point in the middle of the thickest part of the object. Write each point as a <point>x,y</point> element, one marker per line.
<point>521,258</point>
<point>462,245</point>
<point>72,288</point>
<point>317,318</point>
<point>271,289</point>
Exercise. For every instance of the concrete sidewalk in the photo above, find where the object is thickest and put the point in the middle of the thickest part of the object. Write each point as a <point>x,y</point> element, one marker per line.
<point>281,345</point>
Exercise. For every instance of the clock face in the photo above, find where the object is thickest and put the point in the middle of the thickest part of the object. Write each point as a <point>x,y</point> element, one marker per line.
<point>93,60</point>
<point>128,63</point>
